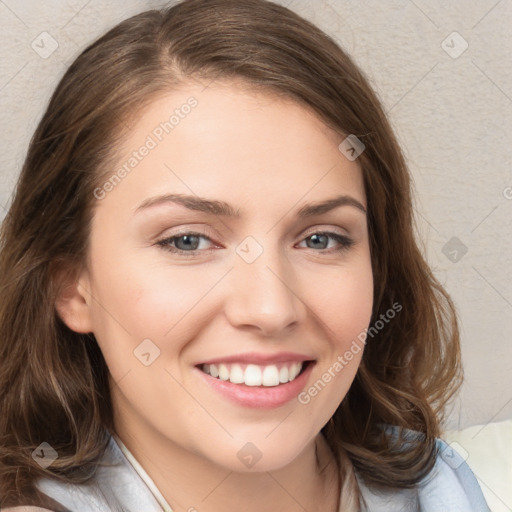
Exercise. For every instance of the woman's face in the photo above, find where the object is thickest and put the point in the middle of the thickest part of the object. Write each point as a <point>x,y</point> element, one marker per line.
<point>242,268</point>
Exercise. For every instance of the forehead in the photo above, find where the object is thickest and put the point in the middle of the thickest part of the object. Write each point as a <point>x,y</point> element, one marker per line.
<point>225,138</point>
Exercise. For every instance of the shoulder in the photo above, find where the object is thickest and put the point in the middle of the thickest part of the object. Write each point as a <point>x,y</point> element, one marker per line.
<point>114,486</point>
<point>450,485</point>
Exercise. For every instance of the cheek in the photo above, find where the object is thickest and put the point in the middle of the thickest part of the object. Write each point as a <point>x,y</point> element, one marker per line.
<point>343,305</point>
<point>343,308</point>
<point>136,301</point>
<point>343,300</point>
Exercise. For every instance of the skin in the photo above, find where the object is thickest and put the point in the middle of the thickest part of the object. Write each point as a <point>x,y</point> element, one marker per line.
<point>267,157</point>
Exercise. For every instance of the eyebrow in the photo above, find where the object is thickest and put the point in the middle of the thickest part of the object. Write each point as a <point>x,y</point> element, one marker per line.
<point>215,207</point>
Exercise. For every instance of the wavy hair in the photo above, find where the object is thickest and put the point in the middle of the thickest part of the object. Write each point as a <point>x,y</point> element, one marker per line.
<point>54,382</point>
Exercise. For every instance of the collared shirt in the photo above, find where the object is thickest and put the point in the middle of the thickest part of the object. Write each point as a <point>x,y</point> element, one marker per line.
<point>122,485</point>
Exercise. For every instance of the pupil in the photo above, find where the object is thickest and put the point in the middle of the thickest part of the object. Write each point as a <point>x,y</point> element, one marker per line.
<point>189,240</point>
<point>316,237</point>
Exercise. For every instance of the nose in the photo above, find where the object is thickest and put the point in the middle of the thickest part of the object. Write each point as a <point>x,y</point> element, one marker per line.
<point>264,294</point>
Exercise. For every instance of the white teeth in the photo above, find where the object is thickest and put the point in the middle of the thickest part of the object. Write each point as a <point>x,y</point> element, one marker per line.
<point>223,372</point>
<point>237,374</point>
<point>270,376</point>
<point>254,375</point>
<point>283,375</point>
<point>294,370</point>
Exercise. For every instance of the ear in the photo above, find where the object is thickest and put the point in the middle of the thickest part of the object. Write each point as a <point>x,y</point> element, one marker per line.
<point>73,301</point>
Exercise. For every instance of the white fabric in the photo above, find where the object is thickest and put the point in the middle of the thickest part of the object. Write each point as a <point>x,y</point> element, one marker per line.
<point>145,477</point>
<point>488,451</point>
<point>121,484</point>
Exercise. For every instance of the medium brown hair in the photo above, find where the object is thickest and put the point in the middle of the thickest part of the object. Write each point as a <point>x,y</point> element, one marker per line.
<point>54,382</point>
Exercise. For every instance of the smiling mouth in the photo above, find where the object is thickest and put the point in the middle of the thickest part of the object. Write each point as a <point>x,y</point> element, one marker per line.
<point>256,375</point>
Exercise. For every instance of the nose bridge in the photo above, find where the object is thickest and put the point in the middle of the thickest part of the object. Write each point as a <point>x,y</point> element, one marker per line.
<point>261,293</point>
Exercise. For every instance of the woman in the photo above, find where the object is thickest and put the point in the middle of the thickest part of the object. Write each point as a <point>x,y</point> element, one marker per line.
<point>299,357</point>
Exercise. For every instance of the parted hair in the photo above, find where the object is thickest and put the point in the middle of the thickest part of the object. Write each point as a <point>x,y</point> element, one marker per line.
<point>54,384</point>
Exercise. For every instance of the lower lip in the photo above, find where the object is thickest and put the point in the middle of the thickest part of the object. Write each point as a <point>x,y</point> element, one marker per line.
<point>261,397</point>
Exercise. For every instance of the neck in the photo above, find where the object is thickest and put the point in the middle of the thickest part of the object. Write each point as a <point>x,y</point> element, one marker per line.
<point>191,483</point>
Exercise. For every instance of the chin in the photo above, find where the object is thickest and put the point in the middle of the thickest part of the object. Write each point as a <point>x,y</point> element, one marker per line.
<point>254,457</point>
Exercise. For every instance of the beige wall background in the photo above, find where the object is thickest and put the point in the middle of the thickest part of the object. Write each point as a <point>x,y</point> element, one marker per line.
<point>443,71</point>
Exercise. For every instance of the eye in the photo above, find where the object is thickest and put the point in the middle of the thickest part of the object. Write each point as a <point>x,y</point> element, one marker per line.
<point>318,240</point>
<point>184,243</point>
<point>189,243</point>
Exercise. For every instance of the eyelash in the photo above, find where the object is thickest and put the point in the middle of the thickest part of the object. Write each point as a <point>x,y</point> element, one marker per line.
<point>344,241</point>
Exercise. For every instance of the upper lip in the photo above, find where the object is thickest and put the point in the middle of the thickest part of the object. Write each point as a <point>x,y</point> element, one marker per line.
<point>259,359</point>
